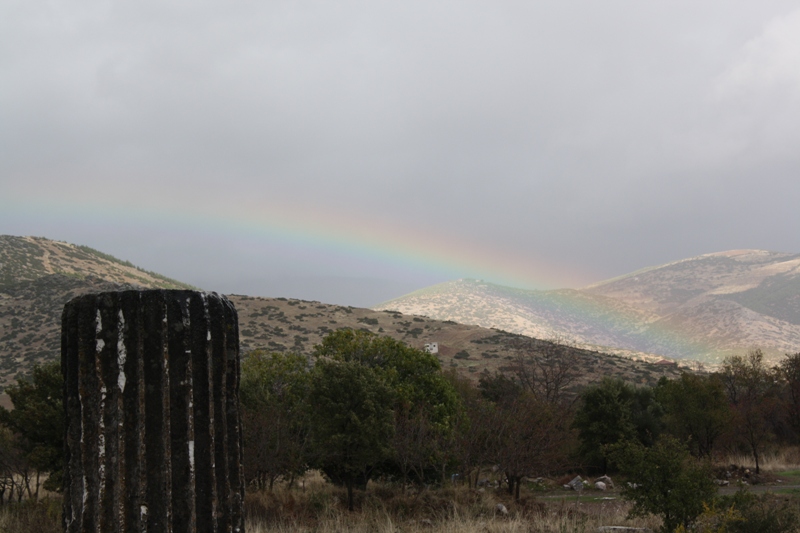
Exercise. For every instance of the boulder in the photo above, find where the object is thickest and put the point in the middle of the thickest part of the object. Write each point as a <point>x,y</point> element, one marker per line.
<point>606,480</point>
<point>599,485</point>
<point>575,484</point>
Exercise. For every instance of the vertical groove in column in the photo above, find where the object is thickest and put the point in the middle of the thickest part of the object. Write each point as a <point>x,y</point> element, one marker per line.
<point>218,382</point>
<point>233,419</point>
<point>131,384</point>
<point>180,399</point>
<point>110,416</point>
<point>205,482</point>
<point>89,390</point>
<point>73,460</point>
<point>156,413</point>
<point>153,433</point>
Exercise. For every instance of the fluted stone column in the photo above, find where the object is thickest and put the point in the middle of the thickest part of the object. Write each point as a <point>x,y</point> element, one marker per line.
<point>151,393</point>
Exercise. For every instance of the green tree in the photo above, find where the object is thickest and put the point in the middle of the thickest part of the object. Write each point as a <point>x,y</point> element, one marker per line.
<point>38,418</point>
<point>664,480</point>
<point>274,395</point>
<point>426,406</point>
<point>413,374</point>
<point>613,411</point>
<point>351,421</point>
<point>696,410</point>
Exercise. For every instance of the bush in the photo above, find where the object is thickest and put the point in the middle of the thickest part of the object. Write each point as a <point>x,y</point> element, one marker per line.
<point>745,512</point>
<point>664,480</point>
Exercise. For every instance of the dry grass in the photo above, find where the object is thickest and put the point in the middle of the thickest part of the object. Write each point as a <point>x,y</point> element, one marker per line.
<point>314,506</point>
<point>385,509</point>
<point>785,458</point>
<point>43,516</point>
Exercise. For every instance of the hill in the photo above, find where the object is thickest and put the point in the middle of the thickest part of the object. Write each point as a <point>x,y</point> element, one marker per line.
<point>39,276</point>
<point>703,308</point>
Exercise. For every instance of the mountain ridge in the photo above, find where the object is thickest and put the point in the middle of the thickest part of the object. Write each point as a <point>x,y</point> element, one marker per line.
<point>705,307</point>
<point>39,276</point>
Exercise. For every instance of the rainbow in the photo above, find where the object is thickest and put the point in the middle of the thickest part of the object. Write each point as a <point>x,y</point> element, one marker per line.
<point>397,245</point>
<point>333,231</point>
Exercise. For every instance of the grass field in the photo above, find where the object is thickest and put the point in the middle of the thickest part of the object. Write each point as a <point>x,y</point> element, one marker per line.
<point>316,506</point>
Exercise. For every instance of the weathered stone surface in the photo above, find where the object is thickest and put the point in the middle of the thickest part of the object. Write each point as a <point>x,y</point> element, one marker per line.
<point>575,484</point>
<point>606,480</point>
<point>153,437</point>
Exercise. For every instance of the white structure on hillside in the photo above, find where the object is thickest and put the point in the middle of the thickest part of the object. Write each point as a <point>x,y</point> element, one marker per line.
<point>432,347</point>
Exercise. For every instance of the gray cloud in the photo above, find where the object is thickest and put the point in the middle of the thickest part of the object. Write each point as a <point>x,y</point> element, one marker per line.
<point>605,136</point>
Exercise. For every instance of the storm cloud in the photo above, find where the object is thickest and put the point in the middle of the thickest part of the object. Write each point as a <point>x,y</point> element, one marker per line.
<point>592,137</point>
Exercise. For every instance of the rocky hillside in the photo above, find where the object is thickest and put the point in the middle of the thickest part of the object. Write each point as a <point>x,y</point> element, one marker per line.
<point>37,277</point>
<point>40,276</point>
<point>703,308</point>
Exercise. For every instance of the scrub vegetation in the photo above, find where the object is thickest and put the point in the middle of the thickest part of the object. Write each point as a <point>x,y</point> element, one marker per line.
<point>350,425</point>
<point>370,434</point>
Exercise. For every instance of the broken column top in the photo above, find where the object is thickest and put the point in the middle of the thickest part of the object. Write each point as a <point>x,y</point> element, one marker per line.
<point>153,438</point>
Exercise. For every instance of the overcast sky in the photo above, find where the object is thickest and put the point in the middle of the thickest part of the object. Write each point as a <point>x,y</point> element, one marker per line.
<point>352,151</point>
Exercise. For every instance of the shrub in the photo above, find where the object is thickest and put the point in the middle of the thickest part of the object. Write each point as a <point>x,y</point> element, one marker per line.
<point>664,480</point>
<point>745,512</point>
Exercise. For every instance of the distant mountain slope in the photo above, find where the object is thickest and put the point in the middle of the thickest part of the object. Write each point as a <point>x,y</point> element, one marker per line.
<point>39,276</point>
<point>703,308</point>
<point>280,324</point>
<point>31,258</point>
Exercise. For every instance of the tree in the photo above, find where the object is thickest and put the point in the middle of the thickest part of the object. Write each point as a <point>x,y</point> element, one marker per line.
<point>546,369</point>
<point>499,388</point>
<point>274,394</point>
<point>473,437</point>
<point>415,446</point>
<point>14,467</point>
<point>789,369</point>
<point>664,480</point>
<point>38,419</point>
<point>414,375</point>
<point>425,404</point>
<point>696,410</point>
<point>351,421</point>
<point>531,438</point>
<point>613,411</point>
<point>752,392</point>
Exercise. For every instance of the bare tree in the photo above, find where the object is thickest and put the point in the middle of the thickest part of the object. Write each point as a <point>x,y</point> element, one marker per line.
<point>415,446</point>
<point>473,435</point>
<point>752,391</point>
<point>547,369</point>
<point>532,438</point>
<point>790,374</point>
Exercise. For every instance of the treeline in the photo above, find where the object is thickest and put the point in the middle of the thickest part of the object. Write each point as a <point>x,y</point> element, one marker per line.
<point>367,406</point>
<point>32,436</point>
